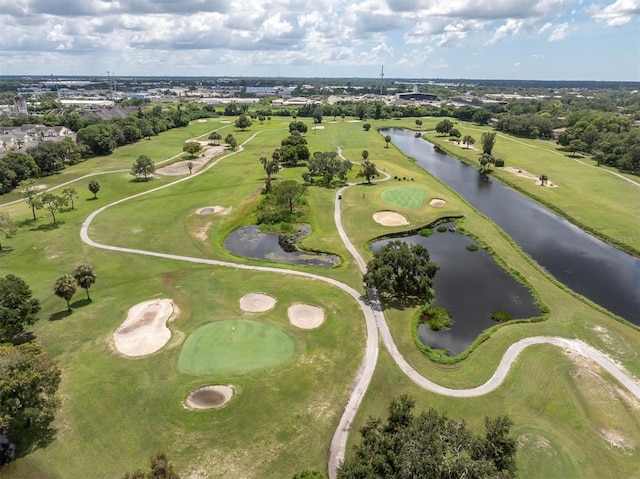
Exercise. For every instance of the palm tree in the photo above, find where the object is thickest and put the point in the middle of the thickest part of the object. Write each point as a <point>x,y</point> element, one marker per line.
<point>543,179</point>
<point>65,288</point>
<point>215,137</point>
<point>85,277</point>
<point>387,139</point>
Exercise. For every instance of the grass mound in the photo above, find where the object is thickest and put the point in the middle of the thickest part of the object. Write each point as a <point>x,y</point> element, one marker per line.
<point>405,197</point>
<point>235,347</point>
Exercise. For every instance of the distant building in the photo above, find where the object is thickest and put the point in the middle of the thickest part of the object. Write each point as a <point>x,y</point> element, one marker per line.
<point>260,90</point>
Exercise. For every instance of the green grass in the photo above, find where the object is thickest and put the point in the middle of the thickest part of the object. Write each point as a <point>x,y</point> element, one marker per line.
<point>405,197</point>
<point>282,418</point>
<point>234,347</point>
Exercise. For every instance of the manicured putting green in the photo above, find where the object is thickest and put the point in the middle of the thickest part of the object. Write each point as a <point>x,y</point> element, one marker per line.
<point>405,197</point>
<point>235,347</point>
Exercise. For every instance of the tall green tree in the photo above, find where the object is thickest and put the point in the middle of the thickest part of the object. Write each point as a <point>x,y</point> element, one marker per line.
<point>468,140</point>
<point>29,379</point>
<point>327,165</point>
<point>53,203</point>
<point>387,140</point>
<point>215,137</point>
<point>85,277</point>
<point>288,193</point>
<point>143,166</point>
<point>65,288</point>
<point>368,170</point>
<point>70,194</point>
<point>17,307</point>
<point>317,114</point>
<point>94,187</point>
<point>31,194</point>
<point>402,272</point>
<point>444,127</point>
<point>7,227</point>
<point>488,141</point>
<point>243,122</point>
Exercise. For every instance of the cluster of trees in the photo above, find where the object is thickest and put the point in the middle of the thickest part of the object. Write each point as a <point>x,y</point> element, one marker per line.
<point>281,203</point>
<point>368,168</point>
<point>66,285</point>
<point>326,166</point>
<point>29,377</point>
<point>609,138</point>
<point>292,150</point>
<point>46,201</point>
<point>528,125</point>
<point>160,468</point>
<point>430,445</point>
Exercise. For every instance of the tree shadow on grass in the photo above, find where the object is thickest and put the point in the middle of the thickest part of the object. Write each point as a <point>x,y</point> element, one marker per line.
<point>23,223</point>
<point>60,315</point>
<point>48,226</point>
<point>81,303</point>
<point>92,199</point>
<point>30,439</point>
<point>6,250</point>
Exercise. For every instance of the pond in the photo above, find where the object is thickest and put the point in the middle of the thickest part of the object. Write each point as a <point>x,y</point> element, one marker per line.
<point>470,285</point>
<point>250,242</point>
<point>593,268</point>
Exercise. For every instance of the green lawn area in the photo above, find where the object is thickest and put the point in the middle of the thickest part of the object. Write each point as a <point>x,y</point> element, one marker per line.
<point>291,385</point>
<point>404,197</point>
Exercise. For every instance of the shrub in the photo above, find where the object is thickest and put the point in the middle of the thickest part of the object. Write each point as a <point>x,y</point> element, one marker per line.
<point>437,318</point>
<point>472,247</point>
<point>499,162</point>
<point>425,232</point>
<point>500,316</point>
<point>441,229</point>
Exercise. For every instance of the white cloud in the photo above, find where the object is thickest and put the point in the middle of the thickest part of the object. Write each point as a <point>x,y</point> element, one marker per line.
<point>559,33</point>
<point>617,14</point>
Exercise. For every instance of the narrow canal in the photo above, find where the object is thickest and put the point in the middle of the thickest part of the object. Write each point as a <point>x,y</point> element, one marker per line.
<point>593,268</point>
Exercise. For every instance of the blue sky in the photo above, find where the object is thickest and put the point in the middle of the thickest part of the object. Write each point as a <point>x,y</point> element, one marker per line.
<point>510,39</point>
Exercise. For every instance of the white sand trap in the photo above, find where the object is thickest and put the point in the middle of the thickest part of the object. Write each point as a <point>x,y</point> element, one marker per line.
<point>202,120</point>
<point>354,121</point>
<point>145,329</point>
<point>389,218</point>
<point>225,121</point>
<point>209,397</point>
<point>305,316</point>
<point>526,174</point>
<point>257,302</point>
<point>437,202</point>
<point>318,128</point>
<point>209,210</point>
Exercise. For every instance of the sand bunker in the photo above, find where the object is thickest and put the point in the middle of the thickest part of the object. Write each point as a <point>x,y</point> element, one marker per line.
<point>209,397</point>
<point>305,316</point>
<point>225,121</point>
<point>145,329</point>
<point>389,218</point>
<point>257,302</point>
<point>437,202</point>
<point>208,210</point>
<point>318,128</point>
<point>181,168</point>
<point>354,121</point>
<point>526,174</point>
<point>202,120</point>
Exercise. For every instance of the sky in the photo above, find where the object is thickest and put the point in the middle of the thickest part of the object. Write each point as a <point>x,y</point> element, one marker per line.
<point>472,39</point>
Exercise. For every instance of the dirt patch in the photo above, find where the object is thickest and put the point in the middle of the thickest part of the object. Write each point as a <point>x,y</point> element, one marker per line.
<point>203,232</point>
<point>202,120</point>
<point>305,316</point>
<point>257,302</point>
<point>181,168</point>
<point>437,202</point>
<point>389,218</point>
<point>209,397</point>
<point>461,144</point>
<point>145,329</point>
<point>209,210</point>
<point>616,439</point>
<point>525,174</point>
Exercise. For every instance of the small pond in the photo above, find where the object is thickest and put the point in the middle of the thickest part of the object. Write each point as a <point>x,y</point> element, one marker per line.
<point>470,285</point>
<point>250,242</point>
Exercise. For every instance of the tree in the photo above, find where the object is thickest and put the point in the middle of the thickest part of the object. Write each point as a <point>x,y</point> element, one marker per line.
<point>309,474</point>
<point>444,126</point>
<point>261,119</point>
<point>69,194</point>
<point>271,166</point>
<point>486,160</point>
<point>94,187</point>
<point>418,122</point>
<point>327,165</point>
<point>468,140</point>
<point>317,114</point>
<point>243,122</point>
<point>294,150</point>
<point>402,271</point>
<point>430,445</point>
<point>65,288</point>
<point>29,379</point>
<point>231,141</point>
<point>576,146</point>
<point>481,116</point>
<point>85,277</point>
<point>488,141</point>
<point>17,308</point>
<point>455,133</point>
<point>366,126</point>
<point>368,170</point>
<point>387,140</point>
<point>190,166</point>
<point>98,137</point>
<point>288,193</point>
<point>215,137</point>
<point>299,126</point>
<point>143,166</point>
<point>30,193</point>
<point>543,179</point>
<point>7,226</point>
<point>53,203</point>
<point>192,147</point>
<point>161,468</point>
